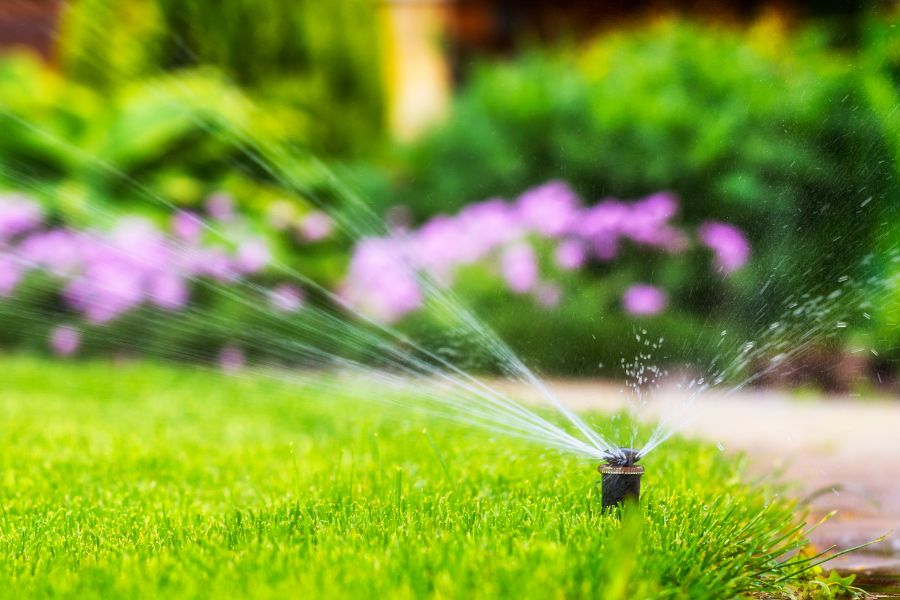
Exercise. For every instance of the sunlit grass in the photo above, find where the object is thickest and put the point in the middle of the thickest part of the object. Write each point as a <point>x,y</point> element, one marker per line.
<point>130,481</point>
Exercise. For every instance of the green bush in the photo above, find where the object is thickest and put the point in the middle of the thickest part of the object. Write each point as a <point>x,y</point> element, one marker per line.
<point>321,60</point>
<point>156,106</point>
<point>788,139</point>
<point>152,146</point>
<point>882,87</point>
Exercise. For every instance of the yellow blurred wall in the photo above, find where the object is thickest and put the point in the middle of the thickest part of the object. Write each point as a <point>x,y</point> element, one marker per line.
<point>418,76</point>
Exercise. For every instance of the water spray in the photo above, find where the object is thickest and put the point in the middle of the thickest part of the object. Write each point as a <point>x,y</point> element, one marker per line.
<point>621,478</point>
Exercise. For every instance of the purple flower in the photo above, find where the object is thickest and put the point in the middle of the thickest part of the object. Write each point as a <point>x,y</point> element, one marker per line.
<point>648,222</point>
<point>484,226</point>
<point>519,267</point>
<point>167,290</point>
<point>286,298</point>
<point>571,255</point>
<point>211,262</point>
<point>252,256</point>
<point>187,226</point>
<point>397,294</point>
<point>728,243</point>
<point>381,282</point>
<point>548,209</point>
<point>601,226</point>
<point>136,241</point>
<point>220,206</point>
<point>383,273</point>
<point>17,215</point>
<point>644,222</point>
<point>104,275</point>
<point>438,247</point>
<point>64,340</point>
<point>642,299</point>
<point>58,250</point>
<point>231,358</point>
<point>658,207</point>
<point>107,289</point>
<point>315,226</point>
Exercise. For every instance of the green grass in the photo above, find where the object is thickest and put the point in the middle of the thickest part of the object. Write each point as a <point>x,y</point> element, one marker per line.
<point>139,480</point>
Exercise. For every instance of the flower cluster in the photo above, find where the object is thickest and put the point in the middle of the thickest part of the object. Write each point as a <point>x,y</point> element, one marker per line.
<point>103,275</point>
<point>384,276</point>
<point>528,243</point>
<point>728,243</point>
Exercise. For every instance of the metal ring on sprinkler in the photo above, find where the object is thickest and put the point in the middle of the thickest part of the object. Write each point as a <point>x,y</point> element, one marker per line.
<point>621,479</point>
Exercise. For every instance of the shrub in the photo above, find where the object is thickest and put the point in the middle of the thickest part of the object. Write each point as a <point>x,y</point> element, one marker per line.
<point>178,292</point>
<point>882,87</point>
<point>319,60</point>
<point>101,241</point>
<point>779,137</point>
<point>158,146</point>
<point>566,267</point>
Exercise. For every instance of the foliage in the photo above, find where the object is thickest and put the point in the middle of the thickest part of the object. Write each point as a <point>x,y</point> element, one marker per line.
<point>319,60</point>
<point>52,274</point>
<point>784,137</point>
<point>154,147</point>
<point>176,483</point>
<point>184,150</point>
<point>833,586</point>
<point>882,88</point>
<point>551,252</point>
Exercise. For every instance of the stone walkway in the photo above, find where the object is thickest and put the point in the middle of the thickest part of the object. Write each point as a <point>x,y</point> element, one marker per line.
<point>844,450</point>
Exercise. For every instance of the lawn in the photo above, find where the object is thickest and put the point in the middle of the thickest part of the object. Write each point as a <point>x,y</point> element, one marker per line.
<point>143,480</point>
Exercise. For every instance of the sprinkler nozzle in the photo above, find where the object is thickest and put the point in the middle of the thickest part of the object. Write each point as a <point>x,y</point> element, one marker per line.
<point>620,478</point>
<point>624,457</point>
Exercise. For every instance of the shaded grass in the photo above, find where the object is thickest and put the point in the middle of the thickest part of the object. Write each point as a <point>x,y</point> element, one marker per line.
<point>141,480</point>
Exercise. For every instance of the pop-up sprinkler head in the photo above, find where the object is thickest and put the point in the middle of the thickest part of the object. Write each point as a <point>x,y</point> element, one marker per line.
<point>621,478</point>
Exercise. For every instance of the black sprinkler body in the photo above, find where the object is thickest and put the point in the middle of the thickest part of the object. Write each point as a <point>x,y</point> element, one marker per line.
<point>620,478</point>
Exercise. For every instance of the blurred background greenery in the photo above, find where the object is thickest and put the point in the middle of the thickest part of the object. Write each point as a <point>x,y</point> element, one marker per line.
<point>779,119</point>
